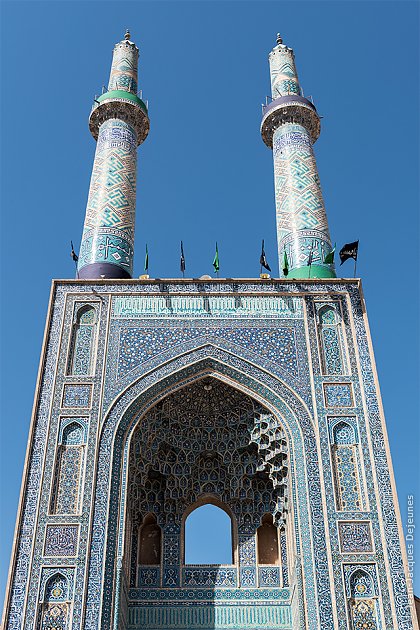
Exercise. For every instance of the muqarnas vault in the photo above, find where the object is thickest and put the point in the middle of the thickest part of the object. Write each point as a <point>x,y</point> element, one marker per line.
<point>259,396</point>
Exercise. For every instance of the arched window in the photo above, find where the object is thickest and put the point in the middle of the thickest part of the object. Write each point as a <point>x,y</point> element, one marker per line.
<point>55,607</point>
<point>267,541</point>
<point>68,467</point>
<point>345,465</point>
<point>330,341</point>
<point>208,536</point>
<point>150,541</point>
<point>82,342</point>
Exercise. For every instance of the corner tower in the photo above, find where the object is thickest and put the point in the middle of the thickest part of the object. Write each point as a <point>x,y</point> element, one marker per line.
<point>120,123</point>
<point>290,126</point>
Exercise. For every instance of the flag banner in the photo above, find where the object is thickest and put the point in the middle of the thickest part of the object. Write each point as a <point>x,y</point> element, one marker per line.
<point>146,261</point>
<point>216,263</point>
<point>310,258</point>
<point>349,250</point>
<point>182,262</point>
<point>263,259</point>
<point>73,254</point>
<point>285,264</point>
<point>329,258</point>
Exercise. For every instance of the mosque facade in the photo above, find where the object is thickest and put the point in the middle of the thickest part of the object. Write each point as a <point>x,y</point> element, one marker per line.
<point>259,396</point>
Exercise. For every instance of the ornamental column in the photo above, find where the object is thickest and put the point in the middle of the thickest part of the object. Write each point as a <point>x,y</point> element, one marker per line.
<point>119,122</point>
<point>290,126</point>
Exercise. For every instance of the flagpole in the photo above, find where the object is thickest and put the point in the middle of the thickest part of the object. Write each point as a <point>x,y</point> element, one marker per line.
<point>182,260</point>
<point>355,263</point>
<point>75,259</point>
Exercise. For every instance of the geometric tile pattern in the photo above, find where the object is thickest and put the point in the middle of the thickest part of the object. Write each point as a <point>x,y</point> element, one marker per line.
<point>284,79</point>
<point>54,616</point>
<point>345,472</point>
<point>246,617</point>
<point>329,332</point>
<point>61,540</point>
<point>301,218</point>
<point>355,537</point>
<point>108,233</point>
<point>80,355</point>
<point>76,395</point>
<point>345,465</point>
<point>124,67</point>
<point>140,344</point>
<point>201,576</point>
<point>149,576</point>
<point>338,395</point>
<point>269,576</point>
<point>67,472</point>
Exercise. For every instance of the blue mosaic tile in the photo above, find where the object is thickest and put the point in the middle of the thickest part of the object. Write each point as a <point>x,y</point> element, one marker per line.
<point>61,540</point>
<point>338,395</point>
<point>355,537</point>
<point>76,395</point>
<point>269,576</point>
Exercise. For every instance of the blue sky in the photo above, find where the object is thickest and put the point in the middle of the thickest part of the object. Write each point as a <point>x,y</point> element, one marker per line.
<point>204,172</point>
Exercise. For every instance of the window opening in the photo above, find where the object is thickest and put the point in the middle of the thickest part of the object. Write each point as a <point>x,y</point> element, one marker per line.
<point>208,536</point>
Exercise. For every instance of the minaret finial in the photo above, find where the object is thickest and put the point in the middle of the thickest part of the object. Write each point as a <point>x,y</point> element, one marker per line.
<point>127,34</point>
<point>279,39</point>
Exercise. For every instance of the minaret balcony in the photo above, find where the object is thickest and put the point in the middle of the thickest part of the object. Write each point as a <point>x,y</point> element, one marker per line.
<point>123,105</point>
<point>289,109</point>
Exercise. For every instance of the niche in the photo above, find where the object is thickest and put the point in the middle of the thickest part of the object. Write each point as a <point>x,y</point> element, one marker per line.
<point>267,541</point>
<point>150,541</point>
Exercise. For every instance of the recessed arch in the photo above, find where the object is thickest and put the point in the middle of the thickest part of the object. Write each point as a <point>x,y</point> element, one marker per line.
<point>150,541</point>
<point>267,541</point>
<point>127,410</point>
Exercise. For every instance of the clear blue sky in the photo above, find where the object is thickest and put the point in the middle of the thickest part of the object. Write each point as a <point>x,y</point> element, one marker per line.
<point>204,172</point>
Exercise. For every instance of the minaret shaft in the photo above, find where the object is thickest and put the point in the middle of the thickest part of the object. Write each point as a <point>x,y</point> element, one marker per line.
<point>120,123</point>
<point>108,235</point>
<point>300,212</point>
<point>290,126</point>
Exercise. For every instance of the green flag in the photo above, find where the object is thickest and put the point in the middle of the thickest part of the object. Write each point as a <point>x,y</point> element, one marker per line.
<point>216,264</point>
<point>329,258</point>
<point>285,264</point>
<point>146,261</point>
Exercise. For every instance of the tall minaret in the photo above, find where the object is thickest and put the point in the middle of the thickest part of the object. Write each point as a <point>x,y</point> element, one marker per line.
<point>119,122</point>
<point>290,126</point>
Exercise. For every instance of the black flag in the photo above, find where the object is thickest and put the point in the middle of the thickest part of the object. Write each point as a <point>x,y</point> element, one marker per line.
<point>182,262</point>
<point>349,250</point>
<point>311,256</point>
<point>263,259</point>
<point>73,254</point>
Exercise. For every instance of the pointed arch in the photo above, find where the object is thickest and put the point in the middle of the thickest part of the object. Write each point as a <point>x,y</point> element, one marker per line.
<point>126,412</point>
<point>346,465</point>
<point>331,340</point>
<point>362,602</point>
<point>82,344</point>
<point>66,487</point>
<point>54,611</point>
